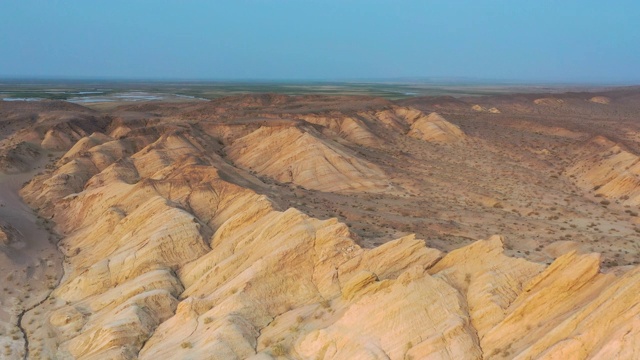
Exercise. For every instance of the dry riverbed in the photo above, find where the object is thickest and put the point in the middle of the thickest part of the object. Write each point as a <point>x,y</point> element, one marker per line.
<point>30,263</point>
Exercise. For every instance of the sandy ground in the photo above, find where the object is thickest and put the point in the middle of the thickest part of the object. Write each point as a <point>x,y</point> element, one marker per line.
<point>31,265</point>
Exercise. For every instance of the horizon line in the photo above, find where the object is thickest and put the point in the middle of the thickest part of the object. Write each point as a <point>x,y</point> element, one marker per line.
<point>426,80</point>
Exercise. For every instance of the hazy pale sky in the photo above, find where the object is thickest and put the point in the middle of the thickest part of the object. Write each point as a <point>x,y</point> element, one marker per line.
<point>538,41</point>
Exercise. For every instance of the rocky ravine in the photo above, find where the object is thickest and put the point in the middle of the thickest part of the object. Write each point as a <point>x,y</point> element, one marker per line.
<point>170,252</point>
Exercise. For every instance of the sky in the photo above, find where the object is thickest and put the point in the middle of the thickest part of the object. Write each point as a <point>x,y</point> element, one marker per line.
<point>527,41</point>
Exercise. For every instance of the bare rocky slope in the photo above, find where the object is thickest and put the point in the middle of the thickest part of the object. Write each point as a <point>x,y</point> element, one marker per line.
<point>267,226</point>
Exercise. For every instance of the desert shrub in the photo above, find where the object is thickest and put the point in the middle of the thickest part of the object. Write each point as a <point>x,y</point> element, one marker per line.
<point>279,350</point>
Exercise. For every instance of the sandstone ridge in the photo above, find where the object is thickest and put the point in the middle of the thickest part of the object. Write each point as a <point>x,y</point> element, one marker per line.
<point>167,259</point>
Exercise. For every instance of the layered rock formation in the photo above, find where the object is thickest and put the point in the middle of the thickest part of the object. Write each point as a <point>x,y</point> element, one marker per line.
<point>435,128</point>
<point>166,259</point>
<point>351,128</point>
<point>174,249</point>
<point>548,101</point>
<point>301,156</point>
<point>608,169</point>
<point>600,100</point>
<point>480,108</point>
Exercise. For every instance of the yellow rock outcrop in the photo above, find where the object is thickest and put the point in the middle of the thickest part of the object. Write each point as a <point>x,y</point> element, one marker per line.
<point>600,100</point>
<point>300,156</point>
<point>169,254</point>
<point>608,169</point>
<point>436,129</point>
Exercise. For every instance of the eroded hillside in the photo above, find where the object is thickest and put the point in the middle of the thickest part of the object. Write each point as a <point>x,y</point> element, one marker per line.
<point>314,227</point>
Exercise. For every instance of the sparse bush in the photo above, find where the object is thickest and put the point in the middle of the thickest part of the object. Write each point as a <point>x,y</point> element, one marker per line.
<point>279,350</point>
<point>186,345</point>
